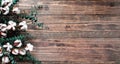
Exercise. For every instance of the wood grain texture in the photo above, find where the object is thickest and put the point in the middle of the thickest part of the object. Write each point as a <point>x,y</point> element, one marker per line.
<point>76,31</point>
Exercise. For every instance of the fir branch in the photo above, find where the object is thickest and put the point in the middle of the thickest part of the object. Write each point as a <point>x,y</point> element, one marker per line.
<point>34,19</point>
<point>12,60</point>
<point>30,17</point>
<point>15,2</point>
<point>31,58</point>
<point>21,37</point>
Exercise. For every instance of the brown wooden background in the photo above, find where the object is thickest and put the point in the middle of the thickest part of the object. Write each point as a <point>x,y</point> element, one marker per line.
<point>77,31</point>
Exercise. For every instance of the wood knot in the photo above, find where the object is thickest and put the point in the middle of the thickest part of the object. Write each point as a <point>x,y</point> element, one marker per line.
<point>67,26</point>
<point>60,44</point>
<point>111,4</point>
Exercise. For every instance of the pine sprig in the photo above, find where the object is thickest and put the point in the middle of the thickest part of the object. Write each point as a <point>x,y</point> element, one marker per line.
<point>21,37</point>
<point>12,60</point>
<point>15,2</point>
<point>29,57</point>
<point>30,17</point>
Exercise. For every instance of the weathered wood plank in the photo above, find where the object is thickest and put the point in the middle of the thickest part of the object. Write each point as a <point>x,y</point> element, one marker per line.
<point>81,27</point>
<point>76,18</point>
<point>70,62</point>
<point>66,62</point>
<point>57,8</point>
<point>88,53</point>
<point>77,48</point>
<point>79,42</point>
<point>75,34</point>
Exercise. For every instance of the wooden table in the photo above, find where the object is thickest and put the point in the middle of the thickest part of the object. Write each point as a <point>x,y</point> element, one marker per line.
<point>77,31</point>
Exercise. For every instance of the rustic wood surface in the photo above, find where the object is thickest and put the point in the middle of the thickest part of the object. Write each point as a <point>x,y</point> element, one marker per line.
<point>76,31</point>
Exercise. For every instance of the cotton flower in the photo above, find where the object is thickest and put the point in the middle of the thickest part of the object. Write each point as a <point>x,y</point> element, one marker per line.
<point>3,2</point>
<point>2,34</point>
<point>5,10</point>
<point>15,51</point>
<point>3,27</point>
<point>10,2</point>
<point>6,3</point>
<point>29,47</point>
<point>8,46</point>
<point>23,25</point>
<point>17,43</point>
<point>11,25</point>
<point>3,30</point>
<point>1,51</point>
<point>16,10</point>
<point>22,51</point>
<point>5,60</point>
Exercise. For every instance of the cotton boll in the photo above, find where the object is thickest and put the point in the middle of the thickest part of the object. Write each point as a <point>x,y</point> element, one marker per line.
<point>3,30</point>
<point>16,10</point>
<point>22,51</point>
<point>3,27</point>
<point>10,2</point>
<point>3,3</point>
<point>29,47</point>
<point>8,46</point>
<point>23,25</point>
<point>6,10</point>
<point>17,43</point>
<point>11,25</point>
<point>3,34</point>
<point>6,3</point>
<point>5,59</point>
<point>15,51</point>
